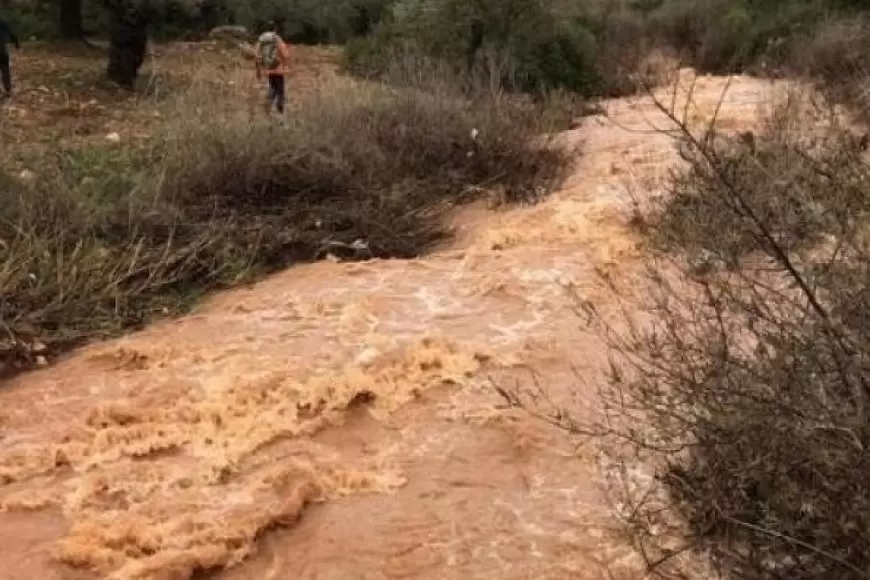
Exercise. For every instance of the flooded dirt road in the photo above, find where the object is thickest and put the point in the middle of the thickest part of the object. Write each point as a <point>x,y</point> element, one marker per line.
<point>338,421</point>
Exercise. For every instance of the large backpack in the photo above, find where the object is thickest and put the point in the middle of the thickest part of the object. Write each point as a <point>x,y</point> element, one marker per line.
<point>269,58</point>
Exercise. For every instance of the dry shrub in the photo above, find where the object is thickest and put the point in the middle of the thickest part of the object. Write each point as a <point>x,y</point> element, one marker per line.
<point>746,391</point>
<point>109,237</point>
<point>779,178</point>
<point>835,50</point>
<point>835,56</point>
<point>627,53</point>
<point>768,37</point>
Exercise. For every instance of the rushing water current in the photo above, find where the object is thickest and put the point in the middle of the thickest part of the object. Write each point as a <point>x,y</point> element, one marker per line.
<point>338,421</point>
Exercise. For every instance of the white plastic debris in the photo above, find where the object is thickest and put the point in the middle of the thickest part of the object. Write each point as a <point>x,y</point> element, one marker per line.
<point>367,357</point>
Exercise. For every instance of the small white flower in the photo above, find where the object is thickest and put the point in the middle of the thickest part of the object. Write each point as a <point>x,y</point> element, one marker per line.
<point>474,133</point>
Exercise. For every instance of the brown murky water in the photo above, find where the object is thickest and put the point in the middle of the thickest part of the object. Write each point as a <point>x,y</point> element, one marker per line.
<point>338,420</point>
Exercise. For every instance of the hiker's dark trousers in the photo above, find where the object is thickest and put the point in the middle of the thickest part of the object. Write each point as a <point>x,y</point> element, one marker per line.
<point>277,92</point>
<point>5,73</point>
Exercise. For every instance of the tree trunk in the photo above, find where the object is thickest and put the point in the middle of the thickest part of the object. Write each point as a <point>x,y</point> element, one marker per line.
<point>128,41</point>
<point>71,19</point>
<point>362,25</point>
<point>476,31</point>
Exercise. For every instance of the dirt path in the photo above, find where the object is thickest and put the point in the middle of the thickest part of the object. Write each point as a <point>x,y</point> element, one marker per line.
<point>356,396</point>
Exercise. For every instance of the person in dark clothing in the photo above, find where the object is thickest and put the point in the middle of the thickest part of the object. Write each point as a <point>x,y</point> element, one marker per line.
<point>6,36</point>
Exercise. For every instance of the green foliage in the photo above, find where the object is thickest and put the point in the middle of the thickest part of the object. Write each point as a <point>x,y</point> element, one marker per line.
<point>729,35</point>
<point>40,19</point>
<point>310,21</point>
<point>302,21</point>
<point>32,19</point>
<point>532,45</point>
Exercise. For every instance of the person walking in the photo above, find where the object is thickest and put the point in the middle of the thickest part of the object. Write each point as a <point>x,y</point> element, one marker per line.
<point>272,56</point>
<point>6,36</point>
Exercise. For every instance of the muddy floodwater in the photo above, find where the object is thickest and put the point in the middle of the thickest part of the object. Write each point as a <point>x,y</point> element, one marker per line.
<point>338,421</point>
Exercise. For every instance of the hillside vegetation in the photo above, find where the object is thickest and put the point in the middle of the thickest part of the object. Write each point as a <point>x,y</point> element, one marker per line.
<point>125,208</point>
<point>746,391</point>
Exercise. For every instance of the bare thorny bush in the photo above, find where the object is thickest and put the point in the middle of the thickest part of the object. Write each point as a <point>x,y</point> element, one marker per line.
<point>746,387</point>
<point>737,414</point>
